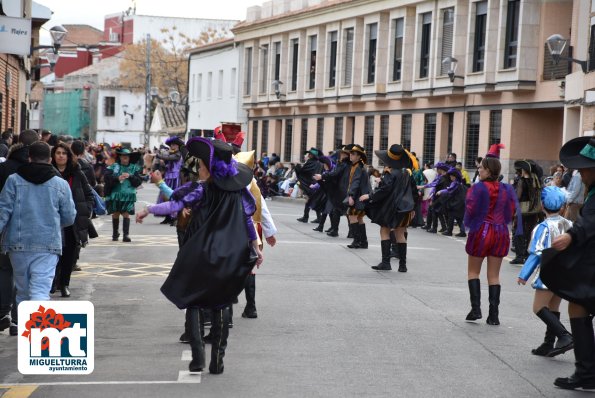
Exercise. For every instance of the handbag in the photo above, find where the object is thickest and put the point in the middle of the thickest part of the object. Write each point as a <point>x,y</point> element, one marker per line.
<point>99,205</point>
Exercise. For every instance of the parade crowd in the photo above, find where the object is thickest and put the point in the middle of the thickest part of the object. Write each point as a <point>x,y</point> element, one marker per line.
<point>215,196</point>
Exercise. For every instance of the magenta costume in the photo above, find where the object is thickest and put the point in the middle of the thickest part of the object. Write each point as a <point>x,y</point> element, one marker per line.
<point>490,207</point>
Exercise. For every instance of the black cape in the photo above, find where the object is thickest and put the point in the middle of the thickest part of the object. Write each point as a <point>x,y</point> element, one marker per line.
<point>456,202</point>
<point>571,273</point>
<point>305,174</point>
<point>392,199</point>
<point>336,182</point>
<point>214,261</point>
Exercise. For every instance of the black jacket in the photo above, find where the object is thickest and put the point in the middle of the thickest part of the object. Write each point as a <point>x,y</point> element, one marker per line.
<point>394,195</point>
<point>338,181</point>
<point>83,202</point>
<point>16,159</point>
<point>359,184</point>
<point>88,171</point>
<point>305,173</point>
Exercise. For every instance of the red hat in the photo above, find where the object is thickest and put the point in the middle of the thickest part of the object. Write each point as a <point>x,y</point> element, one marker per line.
<point>494,151</point>
<point>235,139</point>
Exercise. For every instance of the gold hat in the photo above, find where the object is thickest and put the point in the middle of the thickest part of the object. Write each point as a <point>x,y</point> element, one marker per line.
<point>246,158</point>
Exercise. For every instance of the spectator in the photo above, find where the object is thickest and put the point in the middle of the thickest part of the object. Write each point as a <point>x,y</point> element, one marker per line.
<point>5,143</point>
<point>464,174</point>
<point>78,148</point>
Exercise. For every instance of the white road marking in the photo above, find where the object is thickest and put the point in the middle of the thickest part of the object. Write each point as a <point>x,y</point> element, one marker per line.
<point>186,377</point>
<point>183,377</point>
<point>287,242</point>
<point>186,355</point>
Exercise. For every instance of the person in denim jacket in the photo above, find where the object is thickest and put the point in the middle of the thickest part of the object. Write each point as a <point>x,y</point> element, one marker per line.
<point>31,230</point>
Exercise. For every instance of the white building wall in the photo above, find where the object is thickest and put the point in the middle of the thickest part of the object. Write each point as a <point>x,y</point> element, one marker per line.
<point>120,128</point>
<point>205,113</point>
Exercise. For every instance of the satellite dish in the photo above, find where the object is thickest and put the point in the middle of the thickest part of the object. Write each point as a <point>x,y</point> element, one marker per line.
<point>12,8</point>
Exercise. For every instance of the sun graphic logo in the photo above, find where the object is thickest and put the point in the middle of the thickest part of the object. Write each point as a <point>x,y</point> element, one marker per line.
<point>56,337</point>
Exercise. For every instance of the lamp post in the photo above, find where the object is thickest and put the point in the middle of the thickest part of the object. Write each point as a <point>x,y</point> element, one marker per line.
<point>58,34</point>
<point>452,64</point>
<point>556,44</point>
<point>125,109</point>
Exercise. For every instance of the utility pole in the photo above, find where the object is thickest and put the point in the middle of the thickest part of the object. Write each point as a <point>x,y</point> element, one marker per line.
<point>148,92</point>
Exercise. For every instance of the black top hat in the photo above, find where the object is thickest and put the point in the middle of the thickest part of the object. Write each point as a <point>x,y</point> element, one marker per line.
<point>395,157</point>
<point>226,174</point>
<point>174,140</point>
<point>359,149</point>
<point>134,156</point>
<point>529,166</point>
<point>578,153</point>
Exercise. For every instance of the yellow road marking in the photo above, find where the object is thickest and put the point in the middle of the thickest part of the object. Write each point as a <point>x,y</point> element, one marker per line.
<point>18,391</point>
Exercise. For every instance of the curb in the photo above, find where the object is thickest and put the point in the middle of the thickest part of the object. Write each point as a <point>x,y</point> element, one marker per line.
<point>287,199</point>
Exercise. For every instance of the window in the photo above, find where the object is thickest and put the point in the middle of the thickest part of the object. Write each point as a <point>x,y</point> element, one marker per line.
<point>13,112</point>
<point>210,86</point>
<point>319,133</point>
<point>451,121</point>
<point>371,65</point>
<point>304,137</point>
<point>429,149</point>
<point>220,85</point>
<point>109,106</point>
<point>348,63</point>
<point>406,132</point>
<point>264,67</point>
<point>512,33</point>
<point>264,141</point>
<point>398,48</point>
<point>192,90</point>
<point>426,32</point>
<point>277,67</point>
<point>383,132</point>
<point>495,127</point>
<point>472,143</point>
<point>448,19</point>
<point>369,137</point>
<point>481,16</point>
<point>312,70</point>
<point>1,107</point>
<point>295,47</point>
<point>254,134</point>
<point>288,140</point>
<point>232,90</point>
<point>338,133</point>
<point>199,87</point>
<point>591,62</point>
<point>333,59</point>
<point>248,72</point>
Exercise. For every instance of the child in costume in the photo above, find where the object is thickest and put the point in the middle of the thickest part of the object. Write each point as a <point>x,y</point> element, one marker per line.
<point>490,207</point>
<point>391,204</point>
<point>359,184</point>
<point>320,198</point>
<point>454,199</point>
<point>174,159</point>
<point>546,305</point>
<point>121,180</point>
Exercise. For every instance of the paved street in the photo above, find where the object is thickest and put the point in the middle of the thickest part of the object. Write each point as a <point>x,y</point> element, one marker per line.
<point>327,325</point>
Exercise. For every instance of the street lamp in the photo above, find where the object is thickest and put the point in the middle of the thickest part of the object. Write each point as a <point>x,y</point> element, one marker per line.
<point>452,64</point>
<point>125,109</point>
<point>58,34</point>
<point>277,89</point>
<point>556,44</point>
<point>174,97</point>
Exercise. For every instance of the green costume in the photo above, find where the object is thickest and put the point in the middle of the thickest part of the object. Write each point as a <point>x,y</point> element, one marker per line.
<point>122,197</point>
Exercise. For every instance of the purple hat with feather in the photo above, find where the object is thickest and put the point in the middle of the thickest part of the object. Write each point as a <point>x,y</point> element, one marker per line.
<point>453,171</point>
<point>226,172</point>
<point>174,140</point>
<point>442,166</point>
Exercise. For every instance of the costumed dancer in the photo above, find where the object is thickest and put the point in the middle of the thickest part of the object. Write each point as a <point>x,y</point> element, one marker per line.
<point>490,207</point>
<point>320,198</point>
<point>528,188</point>
<point>454,197</point>
<point>436,211</point>
<point>359,184</point>
<point>570,272</point>
<point>265,227</point>
<point>121,180</point>
<point>305,174</point>
<point>220,247</point>
<point>392,204</point>
<point>337,181</point>
<point>546,305</point>
<point>173,160</point>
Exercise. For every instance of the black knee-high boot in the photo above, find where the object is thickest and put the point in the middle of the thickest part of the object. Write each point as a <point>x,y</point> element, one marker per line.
<point>548,341</point>
<point>335,219</point>
<point>196,344</point>
<point>494,299</point>
<point>321,221</point>
<point>475,297</point>
<point>384,265</point>
<point>363,238</point>
<point>394,251</point>
<point>355,232</point>
<point>442,219</point>
<point>115,227</point>
<point>219,333</point>
<point>350,232</point>
<point>317,219</point>
<point>554,325</point>
<point>126,230</point>
<point>306,215</point>
<point>584,353</point>
<point>402,248</point>
<point>250,291</point>
<point>450,224</point>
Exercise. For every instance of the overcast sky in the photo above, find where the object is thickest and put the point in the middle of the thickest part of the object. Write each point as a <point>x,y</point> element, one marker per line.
<point>93,12</point>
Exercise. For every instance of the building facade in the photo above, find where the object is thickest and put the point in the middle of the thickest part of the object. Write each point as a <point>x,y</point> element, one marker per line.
<point>214,87</point>
<point>321,73</point>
